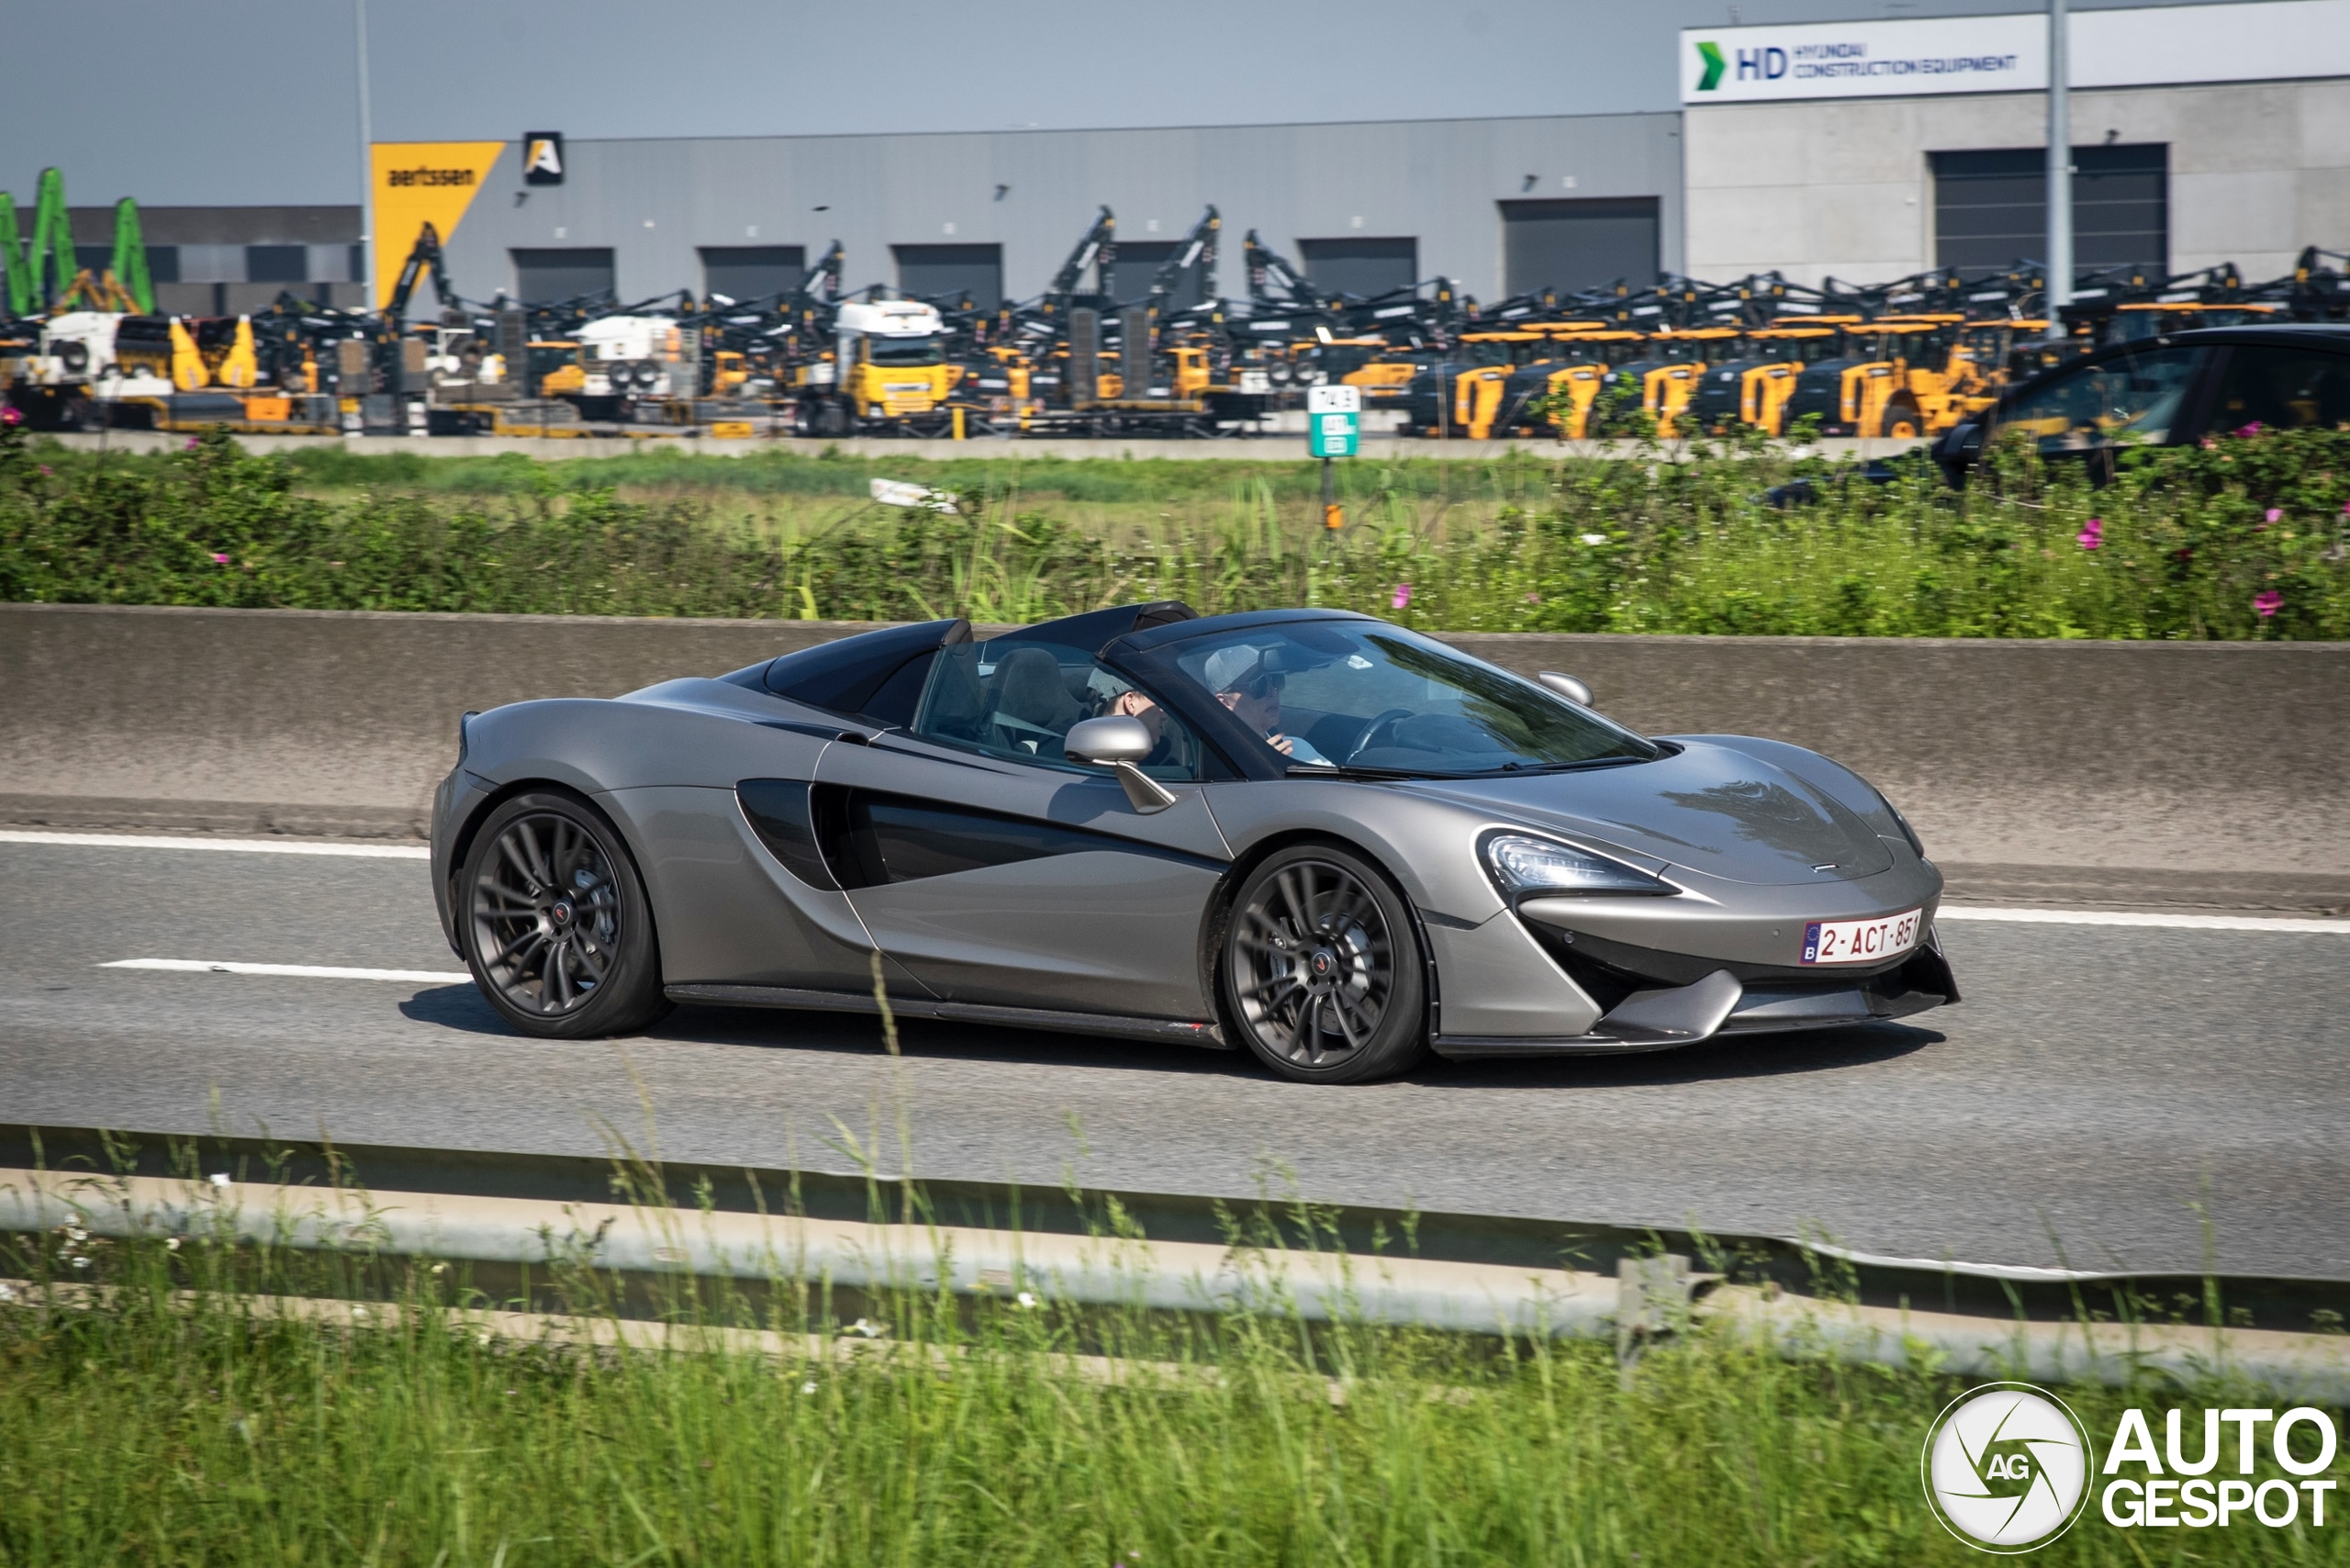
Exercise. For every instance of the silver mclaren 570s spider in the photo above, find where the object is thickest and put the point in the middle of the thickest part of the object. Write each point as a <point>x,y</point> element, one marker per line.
<point>1310,833</point>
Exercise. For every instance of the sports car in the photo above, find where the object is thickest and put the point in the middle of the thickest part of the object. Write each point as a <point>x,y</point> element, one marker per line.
<point>1307,834</point>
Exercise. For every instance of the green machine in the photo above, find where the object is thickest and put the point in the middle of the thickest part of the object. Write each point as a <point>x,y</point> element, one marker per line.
<point>35,278</point>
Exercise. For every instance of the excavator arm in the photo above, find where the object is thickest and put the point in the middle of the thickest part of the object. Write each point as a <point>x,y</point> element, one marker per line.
<point>823,279</point>
<point>1100,244</point>
<point>1268,270</point>
<point>1197,256</point>
<point>425,253</point>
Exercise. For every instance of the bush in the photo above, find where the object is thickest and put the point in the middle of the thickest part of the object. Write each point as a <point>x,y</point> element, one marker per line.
<point>2243,537</point>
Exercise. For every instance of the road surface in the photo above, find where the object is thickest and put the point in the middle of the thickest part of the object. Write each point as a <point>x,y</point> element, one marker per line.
<point>2141,1097</point>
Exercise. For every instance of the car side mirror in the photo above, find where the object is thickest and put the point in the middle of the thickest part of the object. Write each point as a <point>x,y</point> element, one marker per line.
<point>1568,687</point>
<point>1117,742</point>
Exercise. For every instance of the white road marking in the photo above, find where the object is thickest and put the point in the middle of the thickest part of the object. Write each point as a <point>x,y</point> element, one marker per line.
<point>2275,923</point>
<point>249,846</point>
<point>298,971</point>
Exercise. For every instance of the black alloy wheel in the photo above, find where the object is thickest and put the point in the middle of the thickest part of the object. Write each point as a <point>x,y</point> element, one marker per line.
<point>1321,968</point>
<point>556,928</point>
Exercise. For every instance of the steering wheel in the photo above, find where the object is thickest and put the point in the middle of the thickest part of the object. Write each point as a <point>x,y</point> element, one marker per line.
<point>1386,720</point>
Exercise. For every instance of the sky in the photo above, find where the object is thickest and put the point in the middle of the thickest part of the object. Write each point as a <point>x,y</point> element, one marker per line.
<point>255,102</point>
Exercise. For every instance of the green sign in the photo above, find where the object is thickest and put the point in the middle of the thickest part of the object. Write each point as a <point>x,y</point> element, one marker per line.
<point>1334,435</point>
<point>1710,54</point>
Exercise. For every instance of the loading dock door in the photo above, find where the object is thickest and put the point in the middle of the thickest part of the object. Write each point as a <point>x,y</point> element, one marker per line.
<point>1569,245</point>
<point>543,277</point>
<point>752,272</point>
<point>1361,265</point>
<point>1991,206</point>
<point>1138,261</point>
<point>928,272</point>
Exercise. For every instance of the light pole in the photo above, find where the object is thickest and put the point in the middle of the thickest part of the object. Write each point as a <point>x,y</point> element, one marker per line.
<point>366,154</point>
<point>2060,171</point>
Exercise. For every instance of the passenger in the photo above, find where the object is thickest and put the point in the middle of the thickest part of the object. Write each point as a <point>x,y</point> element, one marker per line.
<point>1241,683</point>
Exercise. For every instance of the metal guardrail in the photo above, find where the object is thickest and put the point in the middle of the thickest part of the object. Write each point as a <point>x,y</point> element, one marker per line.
<point>1464,1273</point>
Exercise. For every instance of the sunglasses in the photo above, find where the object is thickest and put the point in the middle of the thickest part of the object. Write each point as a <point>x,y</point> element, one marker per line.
<point>1256,688</point>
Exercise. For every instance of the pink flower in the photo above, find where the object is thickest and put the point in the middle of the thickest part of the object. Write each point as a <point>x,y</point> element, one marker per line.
<point>2092,533</point>
<point>47,472</point>
<point>10,417</point>
<point>2267,601</point>
<point>2345,508</point>
<point>2252,429</point>
<point>2276,514</point>
<point>219,559</point>
<point>1403,595</point>
<point>193,443</point>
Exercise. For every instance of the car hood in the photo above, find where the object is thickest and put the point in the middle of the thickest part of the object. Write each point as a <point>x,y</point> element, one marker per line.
<point>1708,809</point>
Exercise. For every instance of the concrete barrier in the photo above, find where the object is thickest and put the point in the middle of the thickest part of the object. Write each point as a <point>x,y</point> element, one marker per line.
<point>2201,773</point>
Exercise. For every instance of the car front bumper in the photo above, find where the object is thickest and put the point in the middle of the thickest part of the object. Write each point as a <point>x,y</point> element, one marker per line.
<point>1633,974</point>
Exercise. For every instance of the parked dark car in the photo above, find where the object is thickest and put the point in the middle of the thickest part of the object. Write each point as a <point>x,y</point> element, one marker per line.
<point>2167,391</point>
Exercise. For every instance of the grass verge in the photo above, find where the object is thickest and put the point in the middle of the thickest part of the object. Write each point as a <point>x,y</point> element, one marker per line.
<point>161,1402</point>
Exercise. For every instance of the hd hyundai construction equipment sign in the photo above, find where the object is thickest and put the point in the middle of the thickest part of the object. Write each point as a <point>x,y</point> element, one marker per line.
<point>2267,40</point>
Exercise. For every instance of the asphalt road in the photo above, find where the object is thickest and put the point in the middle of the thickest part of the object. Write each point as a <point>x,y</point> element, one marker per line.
<point>2101,1094</point>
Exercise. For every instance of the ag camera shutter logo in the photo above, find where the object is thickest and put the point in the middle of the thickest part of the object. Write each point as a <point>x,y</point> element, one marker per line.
<point>2006,1467</point>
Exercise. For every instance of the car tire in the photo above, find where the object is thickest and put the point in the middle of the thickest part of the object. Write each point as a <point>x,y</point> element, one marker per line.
<point>1321,969</point>
<point>555,923</point>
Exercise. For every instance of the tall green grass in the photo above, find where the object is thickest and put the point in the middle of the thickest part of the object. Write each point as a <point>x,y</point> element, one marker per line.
<point>2245,538</point>
<point>158,1407</point>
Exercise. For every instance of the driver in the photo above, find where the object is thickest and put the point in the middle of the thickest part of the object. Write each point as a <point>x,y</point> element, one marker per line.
<point>1242,683</point>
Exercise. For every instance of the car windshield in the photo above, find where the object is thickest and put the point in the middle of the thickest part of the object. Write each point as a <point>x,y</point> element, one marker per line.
<point>904,351</point>
<point>1364,696</point>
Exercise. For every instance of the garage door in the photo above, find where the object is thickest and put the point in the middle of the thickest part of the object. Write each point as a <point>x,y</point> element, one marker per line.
<point>1138,261</point>
<point>752,272</point>
<point>930,272</point>
<point>1991,206</point>
<point>542,277</point>
<point>1361,265</point>
<point>1569,245</point>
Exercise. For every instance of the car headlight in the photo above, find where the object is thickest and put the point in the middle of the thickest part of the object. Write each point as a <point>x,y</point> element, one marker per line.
<point>1521,864</point>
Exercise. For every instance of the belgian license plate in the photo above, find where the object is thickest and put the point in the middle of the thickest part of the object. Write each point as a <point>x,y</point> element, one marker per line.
<point>1860,941</point>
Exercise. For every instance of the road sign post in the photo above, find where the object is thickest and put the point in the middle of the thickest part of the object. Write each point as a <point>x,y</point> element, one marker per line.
<point>1334,429</point>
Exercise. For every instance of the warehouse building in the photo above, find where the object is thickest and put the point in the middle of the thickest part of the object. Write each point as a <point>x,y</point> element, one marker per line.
<point>1863,150</point>
<point>1866,150</point>
<point>1502,205</point>
<point>226,261</point>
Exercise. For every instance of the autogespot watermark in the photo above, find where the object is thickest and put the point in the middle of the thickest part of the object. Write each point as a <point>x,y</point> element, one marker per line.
<point>2008,1468</point>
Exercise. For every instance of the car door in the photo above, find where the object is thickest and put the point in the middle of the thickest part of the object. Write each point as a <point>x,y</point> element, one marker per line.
<point>2137,397</point>
<point>997,870</point>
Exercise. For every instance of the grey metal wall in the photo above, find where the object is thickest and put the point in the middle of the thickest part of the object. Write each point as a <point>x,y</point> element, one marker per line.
<point>1034,192</point>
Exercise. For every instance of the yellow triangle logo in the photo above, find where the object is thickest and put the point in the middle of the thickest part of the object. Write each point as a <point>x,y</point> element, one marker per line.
<point>417,182</point>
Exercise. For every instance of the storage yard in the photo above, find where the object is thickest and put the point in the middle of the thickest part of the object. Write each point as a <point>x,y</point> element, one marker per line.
<point>85,349</point>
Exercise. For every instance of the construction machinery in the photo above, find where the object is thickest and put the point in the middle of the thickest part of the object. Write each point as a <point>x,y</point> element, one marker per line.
<point>1464,395</point>
<point>1657,385</point>
<point>2318,288</point>
<point>888,373</point>
<point>1752,386</point>
<point>1862,388</point>
<point>1559,395</point>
